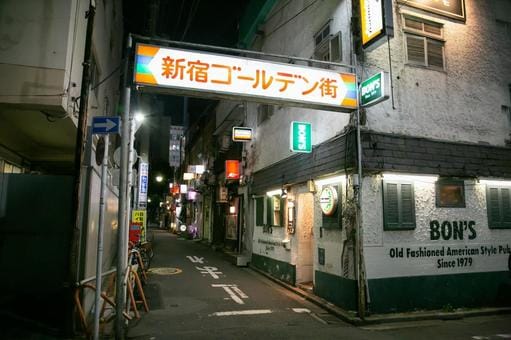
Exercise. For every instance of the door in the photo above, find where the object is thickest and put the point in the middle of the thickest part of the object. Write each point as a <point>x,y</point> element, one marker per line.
<point>305,238</point>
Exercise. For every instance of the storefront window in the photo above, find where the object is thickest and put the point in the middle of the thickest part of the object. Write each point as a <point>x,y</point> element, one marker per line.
<point>450,194</point>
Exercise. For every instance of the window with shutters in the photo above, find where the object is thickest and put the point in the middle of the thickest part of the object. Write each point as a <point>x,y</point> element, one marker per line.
<point>398,205</point>
<point>269,211</point>
<point>424,42</point>
<point>259,211</point>
<point>327,46</point>
<point>498,201</point>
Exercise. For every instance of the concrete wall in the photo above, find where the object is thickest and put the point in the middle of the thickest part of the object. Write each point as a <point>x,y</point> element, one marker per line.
<point>272,136</point>
<point>461,103</point>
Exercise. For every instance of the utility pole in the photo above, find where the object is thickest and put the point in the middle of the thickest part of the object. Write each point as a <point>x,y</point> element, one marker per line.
<point>74,255</point>
<point>122,231</point>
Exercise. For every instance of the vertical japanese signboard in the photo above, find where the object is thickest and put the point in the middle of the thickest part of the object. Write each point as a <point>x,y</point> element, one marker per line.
<point>300,139</point>
<point>376,22</point>
<point>218,75</point>
<point>176,132</point>
<point>143,176</point>
<point>138,217</point>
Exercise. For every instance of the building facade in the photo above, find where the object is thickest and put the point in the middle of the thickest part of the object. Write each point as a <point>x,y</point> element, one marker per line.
<point>41,59</point>
<point>436,164</point>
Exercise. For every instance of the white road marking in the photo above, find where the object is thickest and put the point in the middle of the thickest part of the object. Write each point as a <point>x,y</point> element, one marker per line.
<point>195,259</point>
<point>213,271</point>
<point>232,290</point>
<point>505,336</point>
<point>300,310</point>
<point>243,312</point>
<point>477,337</point>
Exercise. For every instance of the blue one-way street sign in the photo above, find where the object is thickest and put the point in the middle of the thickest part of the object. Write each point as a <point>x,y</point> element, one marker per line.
<point>105,124</point>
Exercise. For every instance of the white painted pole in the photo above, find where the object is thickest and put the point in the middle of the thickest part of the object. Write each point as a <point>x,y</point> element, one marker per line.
<point>99,259</point>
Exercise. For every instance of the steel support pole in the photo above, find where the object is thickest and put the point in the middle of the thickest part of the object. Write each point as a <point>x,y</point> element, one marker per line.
<point>122,232</point>
<point>99,258</point>
<point>131,160</point>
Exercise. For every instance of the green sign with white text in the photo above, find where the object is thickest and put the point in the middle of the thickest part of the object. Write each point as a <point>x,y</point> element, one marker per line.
<point>374,90</point>
<point>301,137</point>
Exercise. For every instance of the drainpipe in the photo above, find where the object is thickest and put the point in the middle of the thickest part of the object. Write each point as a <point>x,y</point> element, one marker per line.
<point>81,136</point>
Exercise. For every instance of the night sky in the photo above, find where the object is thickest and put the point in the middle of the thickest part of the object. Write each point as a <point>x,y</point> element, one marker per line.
<point>210,22</point>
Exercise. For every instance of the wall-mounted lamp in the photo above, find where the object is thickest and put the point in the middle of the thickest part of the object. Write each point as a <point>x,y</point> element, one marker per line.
<point>232,209</point>
<point>283,193</point>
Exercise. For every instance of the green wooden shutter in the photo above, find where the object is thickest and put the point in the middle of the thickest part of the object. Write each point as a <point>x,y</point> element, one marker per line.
<point>281,215</point>
<point>390,206</point>
<point>259,202</point>
<point>407,206</point>
<point>493,207</point>
<point>398,206</point>
<point>269,211</point>
<point>505,208</point>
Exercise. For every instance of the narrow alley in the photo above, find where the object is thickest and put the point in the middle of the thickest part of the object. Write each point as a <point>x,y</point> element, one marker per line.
<point>195,292</point>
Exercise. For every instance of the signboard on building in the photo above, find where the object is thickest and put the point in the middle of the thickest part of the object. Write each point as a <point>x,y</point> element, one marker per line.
<point>374,90</point>
<point>376,22</point>
<point>138,217</point>
<point>241,134</point>
<point>176,132</point>
<point>328,200</point>
<point>449,8</point>
<point>300,139</point>
<point>220,76</point>
<point>232,169</point>
<point>143,179</point>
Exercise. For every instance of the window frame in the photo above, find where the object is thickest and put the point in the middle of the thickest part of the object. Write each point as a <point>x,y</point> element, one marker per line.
<point>450,181</point>
<point>501,223</point>
<point>400,224</point>
<point>426,37</point>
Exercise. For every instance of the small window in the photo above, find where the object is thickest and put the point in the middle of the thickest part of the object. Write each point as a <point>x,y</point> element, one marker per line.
<point>398,206</point>
<point>275,211</point>
<point>450,193</point>
<point>327,46</point>
<point>424,43</point>
<point>498,206</point>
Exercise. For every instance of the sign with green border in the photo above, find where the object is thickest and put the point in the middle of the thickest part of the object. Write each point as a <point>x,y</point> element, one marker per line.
<point>301,137</point>
<point>374,90</point>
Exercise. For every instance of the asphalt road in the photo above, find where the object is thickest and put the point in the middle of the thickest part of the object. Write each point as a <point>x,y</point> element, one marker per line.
<point>196,293</point>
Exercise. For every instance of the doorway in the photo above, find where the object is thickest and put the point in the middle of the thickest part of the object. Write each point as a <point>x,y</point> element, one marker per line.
<point>305,240</point>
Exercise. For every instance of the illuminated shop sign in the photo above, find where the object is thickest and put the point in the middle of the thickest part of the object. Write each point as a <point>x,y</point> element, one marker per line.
<point>374,90</point>
<point>376,22</point>
<point>300,139</point>
<point>254,79</point>
<point>449,8</point>
<point>241,134</point>
<point>232,169</point>
<point>328,200</point>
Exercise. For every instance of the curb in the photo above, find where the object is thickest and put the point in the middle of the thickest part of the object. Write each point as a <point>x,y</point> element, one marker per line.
<point>351,317</point>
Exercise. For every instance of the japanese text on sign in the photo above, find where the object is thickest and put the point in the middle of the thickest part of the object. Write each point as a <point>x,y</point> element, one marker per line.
<point>246,77</point>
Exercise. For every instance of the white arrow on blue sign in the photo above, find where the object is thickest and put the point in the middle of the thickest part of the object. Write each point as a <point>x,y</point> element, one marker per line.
<point>105,124</point>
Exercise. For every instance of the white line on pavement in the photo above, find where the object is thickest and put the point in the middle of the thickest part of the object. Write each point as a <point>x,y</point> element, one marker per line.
<point>243,312</point>
<point>300,310</point>
<point>505,336</point>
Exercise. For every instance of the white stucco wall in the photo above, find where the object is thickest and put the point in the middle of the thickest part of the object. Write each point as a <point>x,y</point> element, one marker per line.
<point>461,103</point>
<point>378,243</point>
<point>296,38</point>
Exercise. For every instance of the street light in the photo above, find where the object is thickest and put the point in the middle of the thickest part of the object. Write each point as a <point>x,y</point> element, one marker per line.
<point>139,117</point>
<point>159,178</point>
